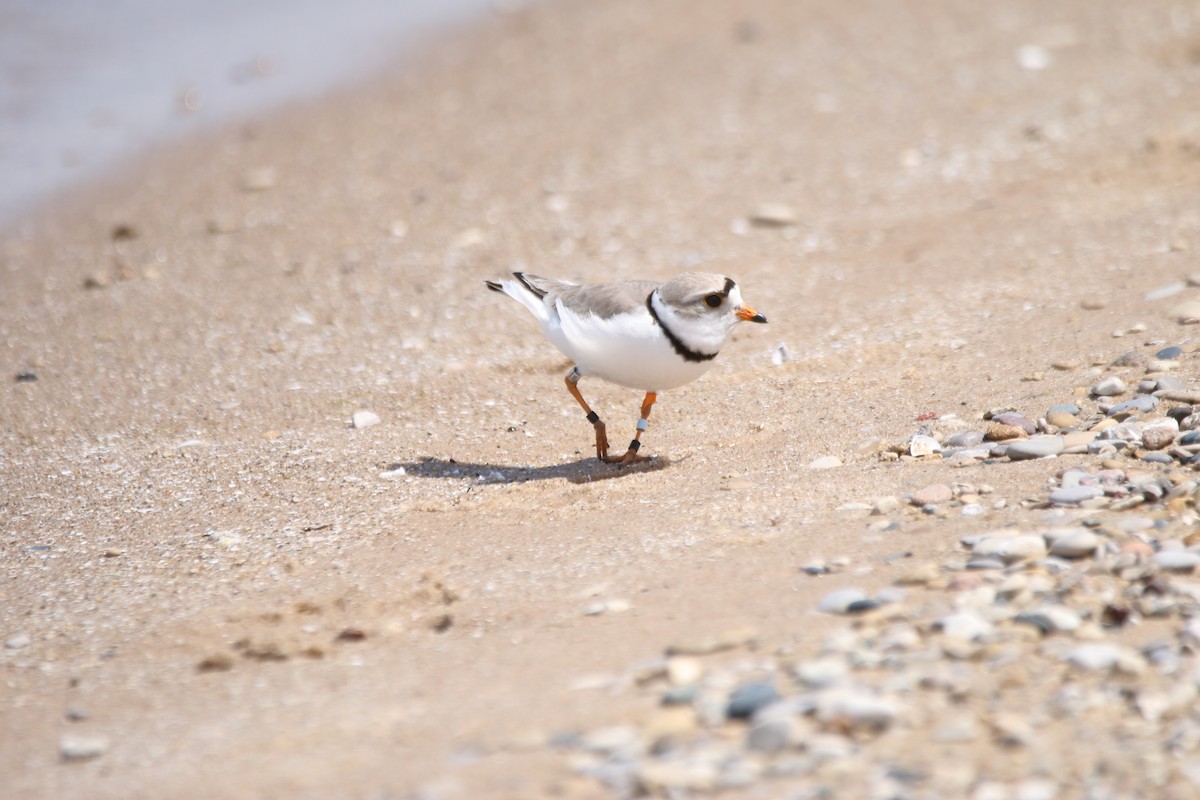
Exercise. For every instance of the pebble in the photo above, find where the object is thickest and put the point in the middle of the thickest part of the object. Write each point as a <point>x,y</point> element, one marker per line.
<point>1075,544</point>
<point>1170,353</point>
<point>922,445</point>
<point>825,462</point>
<point>1015,419</point>
<point>1075,494</point>
<point>770,735</point>
<point>1141,404</point>
<point>1104,656</point>
<point>1186,313</point>
<point>17,641</point>
<point>1176,560</point>
<point>1158,437</point>
<point>364,419</point>
<point>1060,419</point>
<point>26,377</point>
<point>965,625</point>
<point>998,432</point>
<point>773,215</point>
<point>76,747</point>
<point>841,601</point>
<point>964,439</point>
<point>1035,447</point>
<point>855,709</point>
<point>748,698</point>
<point>1010,548</point>
<point>684,670</point>
<point>1109,387</point>
<point>932,494</point>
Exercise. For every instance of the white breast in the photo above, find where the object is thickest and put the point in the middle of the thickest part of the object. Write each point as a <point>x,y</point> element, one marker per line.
<point>627,349</point>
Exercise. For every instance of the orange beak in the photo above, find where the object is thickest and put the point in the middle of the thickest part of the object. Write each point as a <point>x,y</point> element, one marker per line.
<point>748,314</point>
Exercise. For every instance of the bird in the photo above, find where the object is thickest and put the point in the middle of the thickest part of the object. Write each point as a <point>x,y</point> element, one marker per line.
<point>640,334</point>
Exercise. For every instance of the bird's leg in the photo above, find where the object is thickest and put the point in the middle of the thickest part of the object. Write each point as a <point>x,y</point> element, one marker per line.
<point>572,381</point>
<point>631,455</point>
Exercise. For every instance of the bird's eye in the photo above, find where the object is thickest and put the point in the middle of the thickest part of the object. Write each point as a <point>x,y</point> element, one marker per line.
<point>713,300</point>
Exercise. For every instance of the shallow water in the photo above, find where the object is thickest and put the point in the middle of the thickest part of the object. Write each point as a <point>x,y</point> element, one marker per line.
<point>83,84</point>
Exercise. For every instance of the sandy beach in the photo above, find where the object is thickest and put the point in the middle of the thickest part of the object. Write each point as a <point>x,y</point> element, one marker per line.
<point>214,585</point>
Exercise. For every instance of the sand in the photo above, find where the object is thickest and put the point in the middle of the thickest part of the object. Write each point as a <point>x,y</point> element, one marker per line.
<point>246,598</point>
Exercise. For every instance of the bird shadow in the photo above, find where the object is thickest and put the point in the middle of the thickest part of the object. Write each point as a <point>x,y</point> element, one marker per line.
<point>585,470</point>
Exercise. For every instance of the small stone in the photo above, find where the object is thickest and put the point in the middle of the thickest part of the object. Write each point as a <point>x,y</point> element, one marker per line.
<point>1170,353</point>
<point>1074,495</point>
<point>1158,437</point>
<point>1176,560</point>
<point>1186,313</point>
<point>26,377</point>
<point>1013,418</point>
<point>773,215</point>
<point>1063,408</point>
<point>82,748</point>
<point>1034,58</point>
<point>922,445</point>
<point>1076,544</point>
<point>1060,419</point>
<point>965,625</point>
<point>932,494</point>
<point>1142,404</point>
<point>364,419</point>
<point>998,432</point>
<point>1035,447</point>
<point>771,735</point>
<point>97,280</point>
<point>882,506</point>
<point>855,709</point>
<point>1109,387</point>
<point>18,641</point>
<point>1104,656</point>
<point>825,462</point>
<point>1010,549</point>
<point>1161,365</point>
<point>684,670</point>
<point>218,662</point>
<point>964,439</point>
<point>748,698</point>
<point>841,601</point>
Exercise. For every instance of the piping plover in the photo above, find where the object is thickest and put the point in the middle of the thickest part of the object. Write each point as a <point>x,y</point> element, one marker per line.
<point>640,334</point>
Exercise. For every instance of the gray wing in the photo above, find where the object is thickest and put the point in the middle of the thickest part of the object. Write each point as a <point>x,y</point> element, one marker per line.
<point>604,300</point>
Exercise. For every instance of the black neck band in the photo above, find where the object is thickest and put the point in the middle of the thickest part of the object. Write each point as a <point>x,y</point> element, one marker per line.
<point>682,349</point>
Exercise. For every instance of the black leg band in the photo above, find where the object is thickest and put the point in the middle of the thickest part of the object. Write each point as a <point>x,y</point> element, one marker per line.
<point>634,445</point>
<point>593,417</point>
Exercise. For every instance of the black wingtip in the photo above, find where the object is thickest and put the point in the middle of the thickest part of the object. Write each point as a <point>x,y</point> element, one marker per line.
<point>539,293</point>
<point>495,287</point>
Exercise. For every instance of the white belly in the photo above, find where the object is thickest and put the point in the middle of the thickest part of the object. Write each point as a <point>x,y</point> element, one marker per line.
<point>629,349</point>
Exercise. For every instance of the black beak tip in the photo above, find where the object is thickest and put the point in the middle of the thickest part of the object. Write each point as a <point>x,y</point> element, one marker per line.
<point>758,318</point>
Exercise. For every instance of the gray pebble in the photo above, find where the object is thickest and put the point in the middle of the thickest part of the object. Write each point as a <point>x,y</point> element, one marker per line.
<point>1095,656</point>
<point>1141,404</point>
<point>1076,544</point>
<point>1035,447</point>
<point>1015,419</point>
<point>82,748</point>
<point>770,735</point>
<point>1190,438</point>
<point>1169,353</point>
<point>855,709</point>
<point>1075,494</point>
<point>1064,408</point>
<point>17,641</point>
<point>1009,548</point>
<point>748,698</point>
<point>1157,458</point>
<point>1177,560</point>
<point>839,602</point>
<point>964,439</point>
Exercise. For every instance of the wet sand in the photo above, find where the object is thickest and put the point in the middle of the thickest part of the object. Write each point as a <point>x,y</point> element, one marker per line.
<point>245,597</point>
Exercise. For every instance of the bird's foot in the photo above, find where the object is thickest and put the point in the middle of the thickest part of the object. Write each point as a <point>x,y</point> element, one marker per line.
<point>601,441</point>
<point>629,457</point>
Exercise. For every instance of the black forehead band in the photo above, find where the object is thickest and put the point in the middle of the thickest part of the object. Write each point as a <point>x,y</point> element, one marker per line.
<point>729,284</point>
